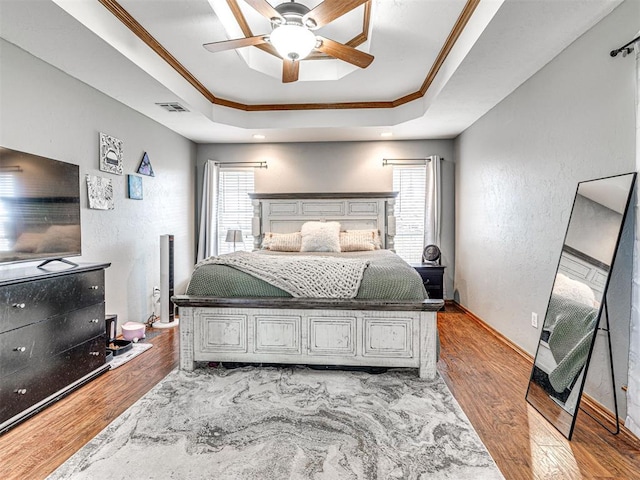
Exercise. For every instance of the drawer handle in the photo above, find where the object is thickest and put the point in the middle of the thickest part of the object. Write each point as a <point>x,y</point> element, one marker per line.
<point>427,281</point>
<point>20,349</point>
<point>94,320</point>
<point>21,391</point>
<point>19,305</point>
<point>95,354</point>
<point>94,287</point>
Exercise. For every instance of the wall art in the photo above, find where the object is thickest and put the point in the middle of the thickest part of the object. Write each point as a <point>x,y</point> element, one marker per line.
<point>110,154</point>
<point>100,192</point>
<point>145,166</point>
<point>135,187</point>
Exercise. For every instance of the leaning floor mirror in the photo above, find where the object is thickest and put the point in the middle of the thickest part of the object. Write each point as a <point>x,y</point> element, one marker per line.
<point>578,298</point>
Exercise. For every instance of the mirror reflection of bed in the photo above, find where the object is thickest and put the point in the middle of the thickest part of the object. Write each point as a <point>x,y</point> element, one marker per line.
<point>578,299</point>
<point>569,324</point>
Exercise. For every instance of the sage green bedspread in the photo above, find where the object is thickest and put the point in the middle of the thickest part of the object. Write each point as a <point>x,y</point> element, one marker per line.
<point>387,277</point>
<point>572,326</point>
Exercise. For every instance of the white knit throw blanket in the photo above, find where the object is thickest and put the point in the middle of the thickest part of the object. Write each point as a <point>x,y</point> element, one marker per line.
<point>300,276</point>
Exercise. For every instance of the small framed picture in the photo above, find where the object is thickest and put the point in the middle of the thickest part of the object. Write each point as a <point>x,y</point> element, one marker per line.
<point>110,154</point>
<point>135,187</point>
<point>145,167</point>
<point>100,193</point>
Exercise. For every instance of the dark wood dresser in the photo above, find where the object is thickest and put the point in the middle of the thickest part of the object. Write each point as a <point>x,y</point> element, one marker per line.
<point>432,278</point>
<point>52,335</point>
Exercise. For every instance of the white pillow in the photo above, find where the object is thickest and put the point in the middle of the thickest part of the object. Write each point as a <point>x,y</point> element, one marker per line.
<point>574,290</point>
<point>320,237</point>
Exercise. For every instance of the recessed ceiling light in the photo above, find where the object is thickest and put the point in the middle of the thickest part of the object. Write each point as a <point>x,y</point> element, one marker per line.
<point>386,134</point>
<point>258,136</point>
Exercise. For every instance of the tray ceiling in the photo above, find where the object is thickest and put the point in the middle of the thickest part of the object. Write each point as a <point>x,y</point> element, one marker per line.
<point>439,64</point>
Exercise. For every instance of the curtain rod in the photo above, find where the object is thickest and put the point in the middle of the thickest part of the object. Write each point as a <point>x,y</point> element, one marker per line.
<point>242,164</point>
<point>405,161</point>
<point>625,49</point>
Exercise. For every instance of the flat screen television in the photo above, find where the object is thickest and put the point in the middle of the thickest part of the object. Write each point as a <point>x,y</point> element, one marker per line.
<point>39,208</point>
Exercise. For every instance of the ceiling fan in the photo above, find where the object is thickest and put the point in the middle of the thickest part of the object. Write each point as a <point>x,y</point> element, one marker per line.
<point>292,35</point>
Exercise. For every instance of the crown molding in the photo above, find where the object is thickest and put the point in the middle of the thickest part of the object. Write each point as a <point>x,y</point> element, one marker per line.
<point>121,14</point>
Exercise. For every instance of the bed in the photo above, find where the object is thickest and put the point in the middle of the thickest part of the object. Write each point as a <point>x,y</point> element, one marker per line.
<point>261,323</point>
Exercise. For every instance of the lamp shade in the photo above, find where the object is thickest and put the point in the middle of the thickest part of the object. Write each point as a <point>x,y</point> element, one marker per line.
<point>293,42</point>
<point>234,236</point>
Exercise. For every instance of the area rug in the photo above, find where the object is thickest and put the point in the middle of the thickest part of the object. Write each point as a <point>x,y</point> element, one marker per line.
<point>268,423</point>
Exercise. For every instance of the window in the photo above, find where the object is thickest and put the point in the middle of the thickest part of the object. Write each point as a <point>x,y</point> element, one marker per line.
<point>410,181</point>
<point>235,211</point>
<point>7,191</point>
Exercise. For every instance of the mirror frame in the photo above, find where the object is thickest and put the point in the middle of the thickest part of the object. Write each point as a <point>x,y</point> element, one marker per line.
<point>555,411</point>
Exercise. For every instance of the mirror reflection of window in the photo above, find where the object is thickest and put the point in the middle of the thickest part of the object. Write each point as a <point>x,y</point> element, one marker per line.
<point>7,188</point>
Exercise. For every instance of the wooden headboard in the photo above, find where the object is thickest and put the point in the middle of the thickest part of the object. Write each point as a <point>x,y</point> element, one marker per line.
<point>579,266</point>
<point>286,212</point>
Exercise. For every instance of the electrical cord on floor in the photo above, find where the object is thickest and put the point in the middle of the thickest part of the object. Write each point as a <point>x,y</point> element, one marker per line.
<point>156,302</point>
<point>151,320</point>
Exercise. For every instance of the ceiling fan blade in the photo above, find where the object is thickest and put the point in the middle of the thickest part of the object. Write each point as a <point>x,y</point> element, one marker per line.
<point>290,70</point>
<point>237,43</point>
<point>329,10</point>
<point>344,52</point>
<point>265,9</point>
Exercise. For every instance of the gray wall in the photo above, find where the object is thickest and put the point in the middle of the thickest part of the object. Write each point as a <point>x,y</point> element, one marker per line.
<point>516,176</point>
<point>46,112</point>
<point>341,167</point>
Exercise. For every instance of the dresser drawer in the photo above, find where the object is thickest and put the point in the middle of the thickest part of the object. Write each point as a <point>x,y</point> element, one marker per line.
<point>29,302</point>
<point>24,346</point>
<point>24,388</point>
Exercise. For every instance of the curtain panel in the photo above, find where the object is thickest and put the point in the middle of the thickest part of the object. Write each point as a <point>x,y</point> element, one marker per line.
<point>208,235</point>
<point>632,421</point>
<point>433,202</point>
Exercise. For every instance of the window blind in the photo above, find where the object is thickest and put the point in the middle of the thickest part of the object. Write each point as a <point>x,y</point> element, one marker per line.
<point>234,208</point>
<point>6,190</point>
<point>410,181</point>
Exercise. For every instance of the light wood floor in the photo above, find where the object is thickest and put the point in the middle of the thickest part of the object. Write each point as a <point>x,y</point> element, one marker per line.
<point>486,376</point>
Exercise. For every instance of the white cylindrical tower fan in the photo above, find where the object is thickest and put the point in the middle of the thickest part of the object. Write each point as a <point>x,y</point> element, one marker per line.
<point>167,307</point>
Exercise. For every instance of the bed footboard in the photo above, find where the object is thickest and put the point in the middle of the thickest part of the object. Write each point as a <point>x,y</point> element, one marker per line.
<point>309,331</point>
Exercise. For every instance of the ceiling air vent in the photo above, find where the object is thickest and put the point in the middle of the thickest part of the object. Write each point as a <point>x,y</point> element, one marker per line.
<point>173,107</point>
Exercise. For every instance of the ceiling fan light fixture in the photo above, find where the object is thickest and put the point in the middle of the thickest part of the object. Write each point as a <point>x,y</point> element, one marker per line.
<point>293,42</point>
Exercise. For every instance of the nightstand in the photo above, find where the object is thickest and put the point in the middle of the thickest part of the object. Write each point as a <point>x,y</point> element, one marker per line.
<point>432,278</point>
